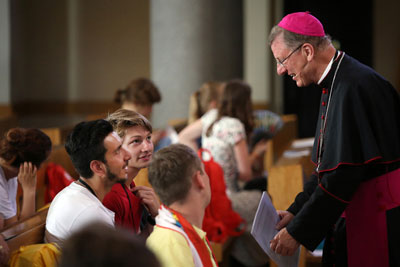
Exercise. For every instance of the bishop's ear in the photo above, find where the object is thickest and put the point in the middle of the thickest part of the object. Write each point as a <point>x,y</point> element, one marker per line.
<point>308,50</point>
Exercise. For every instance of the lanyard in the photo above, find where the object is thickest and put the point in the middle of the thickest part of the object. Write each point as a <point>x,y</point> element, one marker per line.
<point>130,209</point>
<point>87,186</point>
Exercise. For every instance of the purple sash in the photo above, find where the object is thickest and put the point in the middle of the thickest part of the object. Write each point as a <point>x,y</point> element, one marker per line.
<point>366,228</point>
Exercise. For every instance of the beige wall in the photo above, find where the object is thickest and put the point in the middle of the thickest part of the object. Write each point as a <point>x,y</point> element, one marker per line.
<point>78,50</point>
<point>39,50</point>
<point>83,50</point>
<point>113,46</point>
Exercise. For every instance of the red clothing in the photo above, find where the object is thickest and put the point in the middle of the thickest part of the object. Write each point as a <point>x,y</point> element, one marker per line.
<point>57,178</point>
<point>125,205</point>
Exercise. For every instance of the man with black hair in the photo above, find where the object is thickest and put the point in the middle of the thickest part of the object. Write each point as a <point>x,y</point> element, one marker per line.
<point>97,155</point>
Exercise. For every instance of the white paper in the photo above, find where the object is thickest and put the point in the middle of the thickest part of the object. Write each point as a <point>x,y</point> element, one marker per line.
<point>264,231</point>
<point>296,153</point>
<point>303,143</point>
<point>317,253</point>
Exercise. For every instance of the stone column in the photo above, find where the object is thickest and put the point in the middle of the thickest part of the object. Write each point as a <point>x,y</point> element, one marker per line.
<point>5,98</point>
<point>192,42</point>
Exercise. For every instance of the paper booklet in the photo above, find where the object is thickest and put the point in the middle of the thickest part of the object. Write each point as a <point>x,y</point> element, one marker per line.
<point>263,230</point>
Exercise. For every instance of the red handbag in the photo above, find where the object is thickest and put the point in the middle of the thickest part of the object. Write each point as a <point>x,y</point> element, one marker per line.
<point>56,179</point>
<point>220,220</point>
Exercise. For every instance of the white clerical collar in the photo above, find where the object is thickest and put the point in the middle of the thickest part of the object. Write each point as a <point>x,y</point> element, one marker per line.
<point>328,68</point>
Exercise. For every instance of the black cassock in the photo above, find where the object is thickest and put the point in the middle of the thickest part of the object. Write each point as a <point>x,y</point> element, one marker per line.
<point>359,121</point>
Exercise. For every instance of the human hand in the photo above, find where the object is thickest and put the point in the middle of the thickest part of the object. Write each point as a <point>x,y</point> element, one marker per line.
<point>27,176</point>
<point>148,197</point>
<point>284,244</point>
<point>260,147</point>
<point>4,252</point>
<point>285,217</point>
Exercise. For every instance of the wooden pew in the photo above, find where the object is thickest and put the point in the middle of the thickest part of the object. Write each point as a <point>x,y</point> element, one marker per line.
<point>298,154</point>
<point>26,232</point>
<point>284,183</point>
<point>281,141</point>
<point>54,134</point>
<point>58,135</point>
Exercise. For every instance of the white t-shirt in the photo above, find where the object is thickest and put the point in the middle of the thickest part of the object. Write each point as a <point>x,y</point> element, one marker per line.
<point>74,207</point>
<point>8,196</point>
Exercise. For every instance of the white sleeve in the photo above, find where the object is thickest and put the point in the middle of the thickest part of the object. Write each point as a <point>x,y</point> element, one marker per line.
<point>6,204</point>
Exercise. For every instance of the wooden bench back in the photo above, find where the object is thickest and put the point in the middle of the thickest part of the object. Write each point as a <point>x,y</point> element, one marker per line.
<point>284,183</point>
<point>281,141</point>
<point>26,232</point>
<point>58,135</point>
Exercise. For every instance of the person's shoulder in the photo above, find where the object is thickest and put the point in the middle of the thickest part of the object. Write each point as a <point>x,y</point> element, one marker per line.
<point>114,195</point>
<point>161,237</point>
<point>359,74</point>
<point>212,112</point>
<point>170,247</point>
<point>7,183</point>
<point>72,198</point>
<point>231,124</point>
<point>88,213</point>
<point>72,192</point>
<point>210,115</point>
<point>231,120</point>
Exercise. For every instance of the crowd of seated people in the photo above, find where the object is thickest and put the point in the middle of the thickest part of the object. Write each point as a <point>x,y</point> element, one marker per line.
<point>108,154</point>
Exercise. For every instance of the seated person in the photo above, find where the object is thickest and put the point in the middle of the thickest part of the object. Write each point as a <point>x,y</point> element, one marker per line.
<point>22,151</point>
<point>204,99</point>
<point>225,133</point>
<point>98,156</point>
<point>102,246</point>
<point>178,177</point>
<point>135,207</point>
<point>140,95</point>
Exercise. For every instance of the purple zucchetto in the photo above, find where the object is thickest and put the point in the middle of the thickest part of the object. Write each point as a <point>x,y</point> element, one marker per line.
<point>302,23</point>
